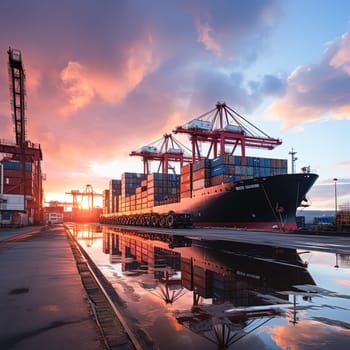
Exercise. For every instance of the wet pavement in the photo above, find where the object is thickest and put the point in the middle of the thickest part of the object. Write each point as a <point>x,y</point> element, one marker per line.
<point>42,300</point>
<point>192,289</point>
<point>200,291</point>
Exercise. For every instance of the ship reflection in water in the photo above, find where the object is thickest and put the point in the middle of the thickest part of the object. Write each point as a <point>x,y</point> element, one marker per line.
<point>199,294</point>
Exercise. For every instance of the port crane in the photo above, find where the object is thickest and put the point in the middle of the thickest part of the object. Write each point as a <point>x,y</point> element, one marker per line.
<point>79,195</point>
<point>23,150</point>
<point>224,130</point>
<point>164,150</point>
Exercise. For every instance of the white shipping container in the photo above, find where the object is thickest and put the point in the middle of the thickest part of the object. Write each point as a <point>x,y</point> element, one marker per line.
<point>199,124</point>
<point>149,149</point>
<point>13,202</point>
<point>234,128</point>
<point>175,150</point>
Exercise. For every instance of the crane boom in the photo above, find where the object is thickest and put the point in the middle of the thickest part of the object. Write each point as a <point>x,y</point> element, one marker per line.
<point>224,130</point>
<point>23,150</point>
<point>17,90</point>
<point>164,150</point>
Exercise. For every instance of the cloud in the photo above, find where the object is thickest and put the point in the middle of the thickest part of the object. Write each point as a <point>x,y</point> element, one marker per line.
<point>344,283</point>
<point>323,192</point>
<point>345,164</point>
<point>107,79</point>
<point>205,37</point>
<point>77,85</point>
<point>341,59</point>
<point>272,85</point>
<point>223,30</point>
<point>83,83</point>
<point>318,91</point>
<point>309,333</point>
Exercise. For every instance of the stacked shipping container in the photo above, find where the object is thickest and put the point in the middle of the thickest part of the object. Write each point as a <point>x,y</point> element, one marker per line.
<point>201,175</point>
<point>186,181</point>
<point>13,178</point>
<point>129,183</point>
<point>140,191</point>
<point>163,189</point>
<point>229,168</point>
<point>105,202</point>
<point>136,191</point>
<point>114,192</point>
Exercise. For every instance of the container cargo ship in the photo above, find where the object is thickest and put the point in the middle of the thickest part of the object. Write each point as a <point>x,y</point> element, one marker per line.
<point>218,188</point>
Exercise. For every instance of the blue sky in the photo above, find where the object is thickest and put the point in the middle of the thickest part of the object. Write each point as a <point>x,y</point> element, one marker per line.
<point>106,77</point>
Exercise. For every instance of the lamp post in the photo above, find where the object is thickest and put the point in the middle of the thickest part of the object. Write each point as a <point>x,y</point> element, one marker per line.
<point>335,204</point>
<point>335,195</point>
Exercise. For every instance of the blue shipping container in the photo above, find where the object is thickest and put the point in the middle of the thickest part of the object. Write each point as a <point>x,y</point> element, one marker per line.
<point>15,165</point>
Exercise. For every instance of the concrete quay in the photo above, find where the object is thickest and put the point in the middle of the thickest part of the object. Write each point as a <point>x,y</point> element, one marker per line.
<point>43,298</point>
<point>331,242</point>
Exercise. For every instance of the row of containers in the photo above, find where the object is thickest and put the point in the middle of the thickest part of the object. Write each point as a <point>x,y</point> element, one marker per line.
<point>137,191</point>
<point>227,168</point>
<point>13,180</point>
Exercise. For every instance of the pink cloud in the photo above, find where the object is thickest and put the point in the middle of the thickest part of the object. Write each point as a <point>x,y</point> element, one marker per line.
<point>344,283</point>
<point>341,59</point>
<point>345,164</point>
<point>77,85</point>
<point>105,80</point>
<point>306,334</point>
<point>318,91</point>
<point>206,37</point>
<point>83,83</point>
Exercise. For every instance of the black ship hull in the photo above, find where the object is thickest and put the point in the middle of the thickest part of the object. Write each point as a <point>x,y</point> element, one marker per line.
<point>258,203</point>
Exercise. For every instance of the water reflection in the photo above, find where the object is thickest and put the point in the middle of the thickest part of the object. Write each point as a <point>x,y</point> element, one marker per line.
<point>342,260</point>
<point>89,234</point>
<point>243,282</point>
<point>222,293</point>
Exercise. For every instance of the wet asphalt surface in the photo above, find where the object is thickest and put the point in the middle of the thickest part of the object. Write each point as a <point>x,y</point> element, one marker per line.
<point>43,302</point>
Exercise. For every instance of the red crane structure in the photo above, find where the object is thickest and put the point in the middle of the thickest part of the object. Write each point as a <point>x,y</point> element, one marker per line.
<point>164,150</point>
<point>83,208</point>
<point>223,129</point>
<point>78,197</point>
<point>23,151</point>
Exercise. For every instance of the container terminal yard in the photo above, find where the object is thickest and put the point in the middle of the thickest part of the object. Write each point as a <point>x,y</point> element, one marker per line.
<point>215,187</point>
<point>167,262</point>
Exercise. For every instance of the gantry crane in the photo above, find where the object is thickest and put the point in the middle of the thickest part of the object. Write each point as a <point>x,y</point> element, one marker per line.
<point>223,129</point>
<point>79,195</point>
<point>23,150</point>
<point>164,150</point>
<point>83,204</point>
<point>17,89</point>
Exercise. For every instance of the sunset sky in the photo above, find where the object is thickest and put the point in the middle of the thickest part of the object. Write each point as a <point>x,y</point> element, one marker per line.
<point>104,78</point>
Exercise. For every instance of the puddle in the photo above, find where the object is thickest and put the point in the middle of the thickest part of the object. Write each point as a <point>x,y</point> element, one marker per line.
<point>193,293</point>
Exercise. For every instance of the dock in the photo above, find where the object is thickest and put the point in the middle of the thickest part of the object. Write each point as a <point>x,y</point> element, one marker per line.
<point>53,297</point>
<point>48,298</point>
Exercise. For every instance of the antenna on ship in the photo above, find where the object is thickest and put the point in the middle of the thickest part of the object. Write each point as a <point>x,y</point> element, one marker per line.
<point>294,159</point>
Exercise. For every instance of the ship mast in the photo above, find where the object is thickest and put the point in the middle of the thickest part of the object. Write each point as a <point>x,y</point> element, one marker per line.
<point>294,159</point>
